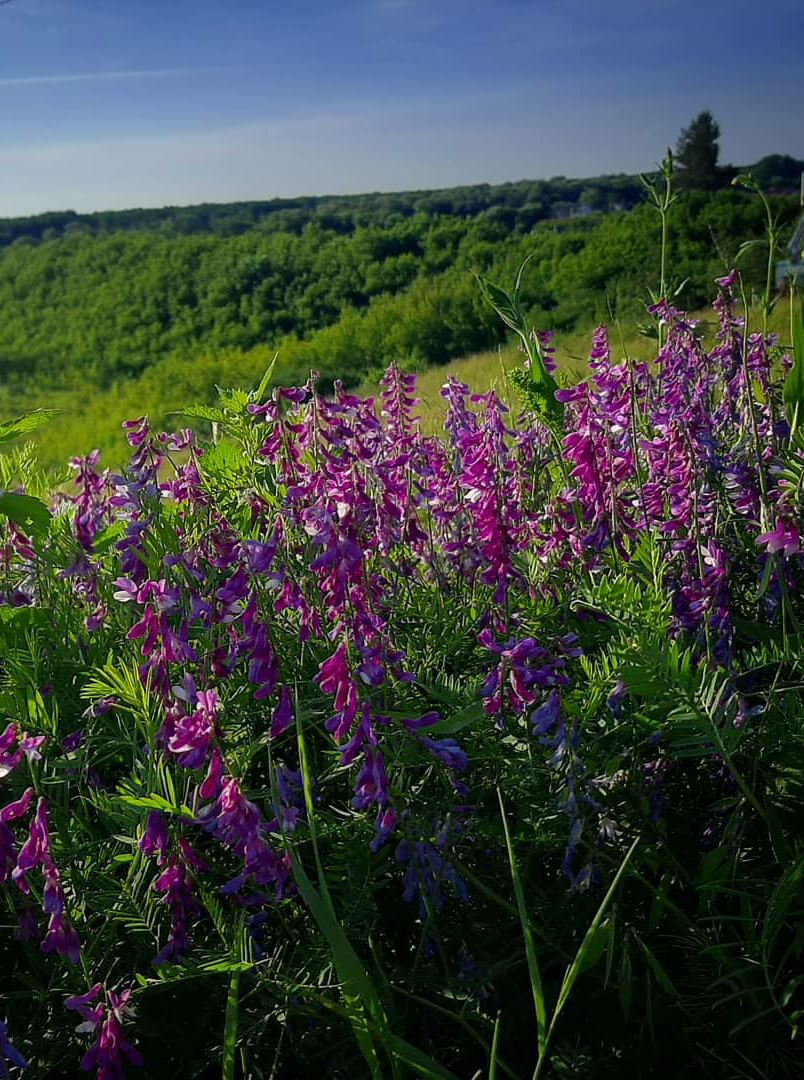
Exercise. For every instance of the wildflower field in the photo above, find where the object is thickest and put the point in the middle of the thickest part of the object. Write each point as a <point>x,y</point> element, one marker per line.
<point>330,748</point>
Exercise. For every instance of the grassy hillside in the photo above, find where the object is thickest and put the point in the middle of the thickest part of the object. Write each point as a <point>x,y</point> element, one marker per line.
<point>117,324</point>
<point>89,420</point>
<point>486,370</point>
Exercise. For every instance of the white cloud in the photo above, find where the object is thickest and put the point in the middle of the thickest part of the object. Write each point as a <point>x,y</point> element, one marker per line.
<point>103,76</point>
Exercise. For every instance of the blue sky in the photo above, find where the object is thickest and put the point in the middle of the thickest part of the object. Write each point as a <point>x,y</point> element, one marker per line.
<point>118,103</point>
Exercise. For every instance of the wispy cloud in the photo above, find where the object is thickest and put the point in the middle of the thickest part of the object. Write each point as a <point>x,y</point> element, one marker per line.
<point>35,8</point>
<point>104,76</point>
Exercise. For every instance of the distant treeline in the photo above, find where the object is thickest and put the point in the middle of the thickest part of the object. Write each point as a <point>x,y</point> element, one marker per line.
<point>521,205</point>
<point>144,313</point>
<point>518,205</point>
<point>92,308</point>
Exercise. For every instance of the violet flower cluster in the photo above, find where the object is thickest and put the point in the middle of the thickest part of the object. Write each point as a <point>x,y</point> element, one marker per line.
<point>17,861</point>
<point>254,623</point>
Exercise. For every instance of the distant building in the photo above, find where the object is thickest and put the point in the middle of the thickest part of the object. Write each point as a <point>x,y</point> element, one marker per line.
<point>793,268</point>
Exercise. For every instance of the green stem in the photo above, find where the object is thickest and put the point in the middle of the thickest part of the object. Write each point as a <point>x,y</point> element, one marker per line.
<point>749,394</point>
<point>230,1027</point>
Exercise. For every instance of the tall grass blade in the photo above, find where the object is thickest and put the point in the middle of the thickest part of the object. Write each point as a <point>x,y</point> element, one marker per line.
<point>530,948</point>
<point>230,1027</point>
<point>581,961</point>
<point>495,1042</point>
<point>359,994</point>
<point>363,1005</point>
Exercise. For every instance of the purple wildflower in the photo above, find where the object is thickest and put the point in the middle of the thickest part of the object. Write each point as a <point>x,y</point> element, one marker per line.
<point>110,1051</point>
<point>8,1054</point>
<point>282,716</point>
<point>154,841</point>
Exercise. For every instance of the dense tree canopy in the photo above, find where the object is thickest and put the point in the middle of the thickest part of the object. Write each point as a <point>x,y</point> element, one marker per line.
<point>112,304</point>
<point>145,316</point>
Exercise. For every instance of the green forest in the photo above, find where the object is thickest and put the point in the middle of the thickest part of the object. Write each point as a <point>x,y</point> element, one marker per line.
<point>111,314</point>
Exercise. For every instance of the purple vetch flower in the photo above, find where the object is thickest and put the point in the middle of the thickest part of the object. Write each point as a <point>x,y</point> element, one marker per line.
<point>8,737</point>
<point>36,849</point>
<point>614,702</point>
<point>334,677</point>
<point>210,786</point>
<point>578,880</point>
<point>447,751</point>
<point>239,826</point>
<point>523,670</point>
<point>728,281</point>
<point>282,716</point>
<point>259,555</point>
<point>72,741</point>
<point>426,720</point>
<point>162,645</point>
<point>290,806</point>
<point>459,417</point>
<point>384,825</point>
<point>544,718</point>
<point>31,745</point>
<point>742,485</point>
<point>9,759</point>
<point>193,733</point>
<point>96,617</point>
<point>154,841</point>
<point>371,670</point>
<point>92,508</point>
<point>60,936</point>
<point>263,670</point>
<point>492,495</point>
<point>746,712</point>
<point>784,539</point>
<point>429,865</point>
<point>553,732</point>
<point>110,1051</point>
<point>8,1054</point>
<point>175,883</point>
<point>371,785</point>
<point>90,1014</point>
<point>398,402</point>
<point>427,870</point>
<point>14,810</point>
<point>363,735</point>
<point>136,430</point>
<point>52,894</point>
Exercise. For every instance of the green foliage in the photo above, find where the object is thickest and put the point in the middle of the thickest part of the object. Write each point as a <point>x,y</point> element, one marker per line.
<point>23,425</point>
<point>538,386</point>
<point>31,515</point>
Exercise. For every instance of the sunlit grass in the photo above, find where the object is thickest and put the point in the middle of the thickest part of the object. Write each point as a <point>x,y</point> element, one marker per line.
<point>91,418</point>
<point>486,370</point>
